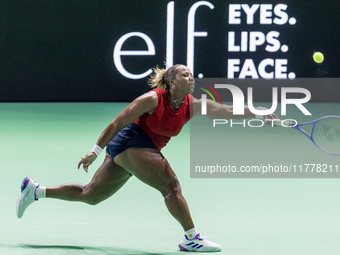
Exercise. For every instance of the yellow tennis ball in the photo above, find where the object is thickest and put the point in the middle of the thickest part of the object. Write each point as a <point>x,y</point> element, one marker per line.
<point>318,57</point>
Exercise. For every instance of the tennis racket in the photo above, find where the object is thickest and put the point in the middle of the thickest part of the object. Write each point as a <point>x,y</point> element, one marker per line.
<point>325,132</point>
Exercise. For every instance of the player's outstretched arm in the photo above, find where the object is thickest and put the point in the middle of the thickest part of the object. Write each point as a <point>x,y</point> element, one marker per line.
<point>146,103</point>
<point>217,111</point>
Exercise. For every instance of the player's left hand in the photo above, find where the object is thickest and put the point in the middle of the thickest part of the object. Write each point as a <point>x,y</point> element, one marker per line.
<point>87,161</point>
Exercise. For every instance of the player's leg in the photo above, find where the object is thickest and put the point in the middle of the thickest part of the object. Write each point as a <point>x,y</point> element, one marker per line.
<point>108,179</point>
<point>150,166</point>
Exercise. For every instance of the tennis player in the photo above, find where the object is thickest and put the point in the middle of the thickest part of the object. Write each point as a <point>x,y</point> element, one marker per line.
<point>133,142</point>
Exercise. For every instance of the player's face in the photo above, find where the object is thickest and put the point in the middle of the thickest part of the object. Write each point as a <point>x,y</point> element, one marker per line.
<point>184,80</point>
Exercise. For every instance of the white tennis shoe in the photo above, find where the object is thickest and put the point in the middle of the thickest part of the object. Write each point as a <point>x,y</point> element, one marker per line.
<point>198,244</point>
<point>27,195</point>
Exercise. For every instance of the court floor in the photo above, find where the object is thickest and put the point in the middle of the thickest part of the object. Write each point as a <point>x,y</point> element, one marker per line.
<point>275,216</point>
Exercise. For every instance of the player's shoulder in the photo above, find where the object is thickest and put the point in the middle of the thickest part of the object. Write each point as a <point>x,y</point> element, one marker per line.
<point>149,98</point>
<point>195,101</point>
<point>196,105</point>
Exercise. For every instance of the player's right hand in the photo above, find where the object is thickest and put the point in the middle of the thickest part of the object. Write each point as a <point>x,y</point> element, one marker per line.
<point>87,161</point>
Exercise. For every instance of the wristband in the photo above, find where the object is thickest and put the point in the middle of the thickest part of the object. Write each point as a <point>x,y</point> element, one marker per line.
<point>96,150</point>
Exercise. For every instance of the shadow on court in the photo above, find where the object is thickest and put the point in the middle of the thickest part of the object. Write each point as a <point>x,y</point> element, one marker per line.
<point>75,249</point>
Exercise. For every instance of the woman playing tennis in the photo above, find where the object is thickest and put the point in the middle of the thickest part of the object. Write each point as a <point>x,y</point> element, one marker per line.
<point>133,142</point>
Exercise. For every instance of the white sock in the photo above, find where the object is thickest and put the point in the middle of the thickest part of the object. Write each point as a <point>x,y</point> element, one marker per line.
<point>191,233</point>
<point>41,192</point>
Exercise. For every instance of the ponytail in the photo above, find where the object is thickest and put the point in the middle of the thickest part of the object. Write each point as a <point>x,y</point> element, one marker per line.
<point>160,78</point>
<point>156,79</point>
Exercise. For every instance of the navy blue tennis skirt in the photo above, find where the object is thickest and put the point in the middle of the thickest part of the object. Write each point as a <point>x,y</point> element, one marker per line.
<point>129,137</point>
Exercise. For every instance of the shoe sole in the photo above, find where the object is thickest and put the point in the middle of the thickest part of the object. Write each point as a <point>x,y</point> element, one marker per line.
<point>182,248</point>
<point>23,186</point>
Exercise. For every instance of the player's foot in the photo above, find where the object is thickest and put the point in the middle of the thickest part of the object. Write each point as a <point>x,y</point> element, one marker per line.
<point>198,244</point>
<point>27,195</point>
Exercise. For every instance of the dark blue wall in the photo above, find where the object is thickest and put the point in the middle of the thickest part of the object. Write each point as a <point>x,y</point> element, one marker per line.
<point>62,51</point>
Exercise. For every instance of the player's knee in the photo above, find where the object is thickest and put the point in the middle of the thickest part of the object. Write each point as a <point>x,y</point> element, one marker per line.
<point>89,197</point>
<point>173,188</point>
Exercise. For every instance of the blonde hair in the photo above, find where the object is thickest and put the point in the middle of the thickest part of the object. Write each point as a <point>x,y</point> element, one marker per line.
<point>160,78</point>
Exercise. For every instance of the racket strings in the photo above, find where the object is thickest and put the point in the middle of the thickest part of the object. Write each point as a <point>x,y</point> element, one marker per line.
<point>326,134</point>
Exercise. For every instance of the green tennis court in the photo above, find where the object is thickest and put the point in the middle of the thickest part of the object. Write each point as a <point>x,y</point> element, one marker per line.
<point>246,216</point>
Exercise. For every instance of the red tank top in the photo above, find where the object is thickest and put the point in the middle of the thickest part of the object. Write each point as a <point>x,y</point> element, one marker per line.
<point>165,122</point>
